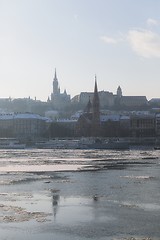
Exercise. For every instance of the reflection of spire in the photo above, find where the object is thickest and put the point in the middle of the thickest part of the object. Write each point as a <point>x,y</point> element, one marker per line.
<point>95,197</point>
<point>55,200</point>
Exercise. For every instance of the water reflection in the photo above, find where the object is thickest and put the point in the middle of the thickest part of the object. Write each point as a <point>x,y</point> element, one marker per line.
<point>55,202</point>
<point>83,204</point>
<point>95,197</point>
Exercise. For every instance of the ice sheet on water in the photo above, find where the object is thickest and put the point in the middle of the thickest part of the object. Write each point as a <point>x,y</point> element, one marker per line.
<point>138,177</point>
<point>73,160</point>
<point>18,178</point>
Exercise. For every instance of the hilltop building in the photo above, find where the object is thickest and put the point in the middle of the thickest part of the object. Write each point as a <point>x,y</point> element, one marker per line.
<point>110,101</point>
<point>119,92</point>
<point>129,102</point>
<point>106,99</point>
<point>59,101</point>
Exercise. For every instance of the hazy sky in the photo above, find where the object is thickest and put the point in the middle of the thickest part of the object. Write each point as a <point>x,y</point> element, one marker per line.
<point>118,40</point>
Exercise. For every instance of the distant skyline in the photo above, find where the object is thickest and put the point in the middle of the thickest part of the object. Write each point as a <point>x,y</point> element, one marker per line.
<point>116,40</point>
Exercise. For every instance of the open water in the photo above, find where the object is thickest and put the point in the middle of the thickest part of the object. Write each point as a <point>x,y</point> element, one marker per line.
<point>79,194</point>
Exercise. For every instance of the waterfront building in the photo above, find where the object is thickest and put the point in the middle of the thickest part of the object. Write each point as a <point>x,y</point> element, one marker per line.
<point>157,125</point>
<point>23,125</point>
<point>142,125</point>
<point>115,125</point>
<point>6,125</point>
<point>63,128</point>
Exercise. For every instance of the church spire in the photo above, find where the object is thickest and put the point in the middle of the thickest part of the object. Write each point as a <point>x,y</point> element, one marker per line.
<point>55,75</point>
<point>96,111</point>
<point>56,89</point>
<point>95,86</point>
<point>96,96</point>
<point>119,92</point>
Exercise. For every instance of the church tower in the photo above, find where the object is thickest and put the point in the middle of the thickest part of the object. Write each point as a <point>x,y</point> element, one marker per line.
<point>95,112</point>
<point>56,89</point>
<point>59,100</point>
<point>119,92</point>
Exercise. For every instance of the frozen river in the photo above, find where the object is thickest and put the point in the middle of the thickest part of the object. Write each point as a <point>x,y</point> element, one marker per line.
<point>79,194</point>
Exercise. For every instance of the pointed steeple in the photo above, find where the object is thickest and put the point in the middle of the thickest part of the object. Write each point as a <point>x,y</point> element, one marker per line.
<point>95,86</point>
<point>96,96</point>
<point>56,89</point>
<point>55,75</point>
<point>96,111</point>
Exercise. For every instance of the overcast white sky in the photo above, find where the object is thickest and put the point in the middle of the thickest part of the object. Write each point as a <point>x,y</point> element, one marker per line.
<point>118,40</point>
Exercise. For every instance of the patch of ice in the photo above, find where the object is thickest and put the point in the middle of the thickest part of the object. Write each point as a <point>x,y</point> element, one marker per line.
<point>138,177</point>
<point>18,214</point>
